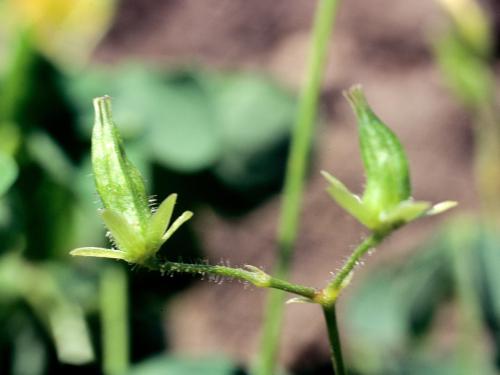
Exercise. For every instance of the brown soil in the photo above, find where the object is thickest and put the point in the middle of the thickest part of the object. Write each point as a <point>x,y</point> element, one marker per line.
<point>383,44</point>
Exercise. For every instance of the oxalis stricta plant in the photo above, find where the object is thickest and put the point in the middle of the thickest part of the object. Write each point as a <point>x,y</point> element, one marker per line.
<point>137,232</point>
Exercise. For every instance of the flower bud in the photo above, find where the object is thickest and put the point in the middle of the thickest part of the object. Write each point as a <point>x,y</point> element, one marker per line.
<point>386,203</point>
<point>119,184</point>
<point>384,160</point>
<point>136,232</point>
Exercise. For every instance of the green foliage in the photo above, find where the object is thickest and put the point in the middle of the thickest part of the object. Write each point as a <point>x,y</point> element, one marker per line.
<point>40,287</point>
<point>466,72</point>
<point>8,172</point>
<point>171,365</point>
<point>193,121</point>
<point>394,311</point>
<point>49,202</point>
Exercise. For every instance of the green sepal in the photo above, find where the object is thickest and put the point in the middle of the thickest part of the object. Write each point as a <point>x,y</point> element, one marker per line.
<point>186,215</point>
<point>99,252</point>
<point>127,237</point>
<point>159,222</point>
<point>441,207</point>
<point>347,200</point>
<point>403,213</point>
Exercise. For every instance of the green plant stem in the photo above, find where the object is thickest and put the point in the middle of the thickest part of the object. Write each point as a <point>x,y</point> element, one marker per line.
<point>251,275</point>
<point>114,307</point>
<point>331,292</point>
<point>328,296</point>
<point>334,339</point>
<point>294,180</point>
<point>465,265</point>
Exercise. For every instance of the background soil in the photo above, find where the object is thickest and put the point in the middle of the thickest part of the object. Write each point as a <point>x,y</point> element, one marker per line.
<point>383,44</point>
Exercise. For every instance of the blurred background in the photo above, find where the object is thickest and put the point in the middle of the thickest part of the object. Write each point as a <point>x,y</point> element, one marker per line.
<point>204,94</point>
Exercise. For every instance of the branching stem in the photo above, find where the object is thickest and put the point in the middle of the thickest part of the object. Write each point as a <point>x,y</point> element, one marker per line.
<point>329,295</point>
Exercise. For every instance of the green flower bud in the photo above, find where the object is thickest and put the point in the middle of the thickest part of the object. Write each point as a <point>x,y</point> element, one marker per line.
<point>119,184</point>
<point>385,162</point>
<point>386,202</point>
<point>136,232</point>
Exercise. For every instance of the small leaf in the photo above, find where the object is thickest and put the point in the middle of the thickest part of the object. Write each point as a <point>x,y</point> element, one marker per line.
<point>99,252</point>
<point>160,220</point>
<point>126,236</point>
<point>186,215</point>
<point>347,200</point>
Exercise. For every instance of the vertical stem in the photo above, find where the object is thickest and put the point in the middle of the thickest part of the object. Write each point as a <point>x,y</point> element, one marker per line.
<point>487,159</point>
<point>334,339</point>
<point>294,180</point>
<point>114,320</point>
<point>465,262</point>
<point>16,84</point>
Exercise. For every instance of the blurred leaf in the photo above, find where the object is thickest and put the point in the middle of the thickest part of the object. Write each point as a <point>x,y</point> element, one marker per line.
<point>17,82</point>
<point>395,304</point>
<point>173,115</point>
<point>254,117</point>
<point>70,334</point>
<point>184,136</point>
<point>10,138</point>
<point>163,365</point>
<point>8,172</point>
<point>51,158</point>
<point>467,73</point>
<point>66,31</point>
<point>471,22</point>
<point>192,121</point>
<point>46,210</point>
<point>62,317</point>
<point>30,356</point>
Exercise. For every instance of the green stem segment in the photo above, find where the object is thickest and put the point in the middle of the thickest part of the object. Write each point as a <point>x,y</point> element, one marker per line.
<point>250,274</point>
<point>334,338</point>
<point>294,180</point>
<point>328,297</point>
<point>114,307</point>
<point>330,293</point>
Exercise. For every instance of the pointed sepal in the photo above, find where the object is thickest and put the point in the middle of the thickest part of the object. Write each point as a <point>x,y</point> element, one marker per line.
<point>186,215</point>
<point>127,237</point>
<point>347,200</point>
<point>99,252</point>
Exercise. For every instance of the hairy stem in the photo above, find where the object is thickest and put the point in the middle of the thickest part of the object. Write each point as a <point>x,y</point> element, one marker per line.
<point>250,274</point>
<point>331,292</point>
<point>294,180</point>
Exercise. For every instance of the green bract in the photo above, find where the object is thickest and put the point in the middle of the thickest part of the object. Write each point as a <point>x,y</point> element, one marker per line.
<point>386,202</point>
<point>137,232</point>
